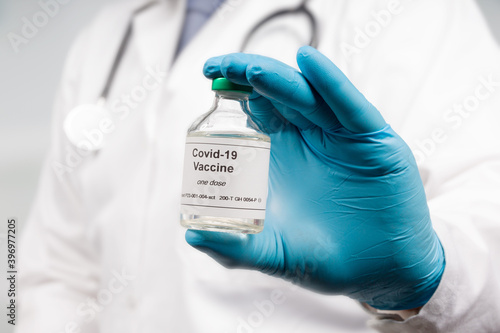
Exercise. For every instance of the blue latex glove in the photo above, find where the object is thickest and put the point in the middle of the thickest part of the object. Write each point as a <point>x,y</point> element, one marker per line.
<point>346,212</point>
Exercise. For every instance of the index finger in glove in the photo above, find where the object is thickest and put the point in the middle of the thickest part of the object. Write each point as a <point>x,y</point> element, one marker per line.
<point>351,108</point>
<point>279,83</point>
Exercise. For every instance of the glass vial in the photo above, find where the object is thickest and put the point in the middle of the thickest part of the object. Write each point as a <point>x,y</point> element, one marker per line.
<point>226,166</point>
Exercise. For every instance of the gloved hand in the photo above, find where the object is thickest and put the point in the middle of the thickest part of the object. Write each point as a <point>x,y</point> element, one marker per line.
<point>346,212</point>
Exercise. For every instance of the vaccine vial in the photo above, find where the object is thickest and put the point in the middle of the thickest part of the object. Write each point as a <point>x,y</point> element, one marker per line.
<point>226,165</point>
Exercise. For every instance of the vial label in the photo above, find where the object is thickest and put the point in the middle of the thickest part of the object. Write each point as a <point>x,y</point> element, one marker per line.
<point>225,177</point>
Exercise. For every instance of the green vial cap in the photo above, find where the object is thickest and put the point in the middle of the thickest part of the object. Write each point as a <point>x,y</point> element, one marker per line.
<point>221,83</point>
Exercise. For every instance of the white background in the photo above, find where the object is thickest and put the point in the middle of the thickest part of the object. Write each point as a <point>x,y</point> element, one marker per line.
<point>28,81</point>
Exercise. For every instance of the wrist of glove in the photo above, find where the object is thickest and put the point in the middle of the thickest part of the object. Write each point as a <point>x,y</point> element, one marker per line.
<point>346,211</point>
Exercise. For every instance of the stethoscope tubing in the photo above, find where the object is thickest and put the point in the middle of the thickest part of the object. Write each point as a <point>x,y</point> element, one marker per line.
<point>121,51</point>
<point>301,8</point>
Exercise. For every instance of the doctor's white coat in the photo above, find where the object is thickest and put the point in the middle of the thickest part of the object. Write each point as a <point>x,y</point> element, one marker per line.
<point>103,250</point>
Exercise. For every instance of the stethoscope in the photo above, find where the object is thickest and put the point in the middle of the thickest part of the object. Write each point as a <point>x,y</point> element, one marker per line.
<point>300,9</point>
<point>85,116</point>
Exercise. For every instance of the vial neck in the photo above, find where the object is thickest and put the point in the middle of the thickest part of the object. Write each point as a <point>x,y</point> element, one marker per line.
<point>231,100</point>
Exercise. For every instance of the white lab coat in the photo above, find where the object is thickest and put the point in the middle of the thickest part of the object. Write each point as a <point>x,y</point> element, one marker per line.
<point>109,231</point>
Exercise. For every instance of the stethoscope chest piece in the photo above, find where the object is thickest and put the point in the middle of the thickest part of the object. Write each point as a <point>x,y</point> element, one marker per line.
<point>86,126</point>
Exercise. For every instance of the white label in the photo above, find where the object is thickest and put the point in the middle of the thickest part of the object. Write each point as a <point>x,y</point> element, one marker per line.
<point>225,177</point>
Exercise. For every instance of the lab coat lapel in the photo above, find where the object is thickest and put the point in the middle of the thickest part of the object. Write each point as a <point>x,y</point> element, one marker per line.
<point>156,32</point>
